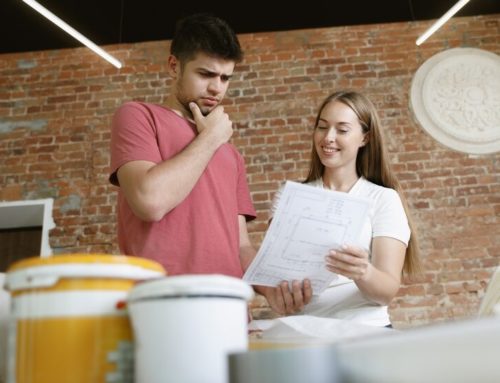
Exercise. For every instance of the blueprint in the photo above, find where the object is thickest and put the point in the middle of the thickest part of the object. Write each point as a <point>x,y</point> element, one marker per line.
<point>308,222</point>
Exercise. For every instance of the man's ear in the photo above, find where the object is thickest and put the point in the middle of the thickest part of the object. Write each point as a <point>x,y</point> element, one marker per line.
<point>173,66</point>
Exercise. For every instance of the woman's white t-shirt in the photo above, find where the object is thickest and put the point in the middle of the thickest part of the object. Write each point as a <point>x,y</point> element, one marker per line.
<point>386,218</point>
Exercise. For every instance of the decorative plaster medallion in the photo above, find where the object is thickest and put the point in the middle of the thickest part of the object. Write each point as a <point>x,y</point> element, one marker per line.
<point>455,96</point>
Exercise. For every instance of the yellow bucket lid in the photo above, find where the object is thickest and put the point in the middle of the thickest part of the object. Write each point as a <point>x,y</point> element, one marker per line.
<point>44,272</point>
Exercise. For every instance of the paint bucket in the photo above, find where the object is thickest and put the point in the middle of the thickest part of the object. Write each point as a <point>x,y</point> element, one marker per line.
<point>186,326</point>
<point>69,321</point>
<point>4,316</point>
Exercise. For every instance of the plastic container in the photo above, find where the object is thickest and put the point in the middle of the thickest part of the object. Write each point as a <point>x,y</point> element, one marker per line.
<point>186,326</point>
<point>69,321</point>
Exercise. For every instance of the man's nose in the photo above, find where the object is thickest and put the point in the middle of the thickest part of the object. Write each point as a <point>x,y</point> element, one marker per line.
<point>215,86</point>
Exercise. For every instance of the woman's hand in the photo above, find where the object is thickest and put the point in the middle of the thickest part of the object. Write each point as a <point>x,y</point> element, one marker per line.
<point>350,261</point>
<point>379,276</point>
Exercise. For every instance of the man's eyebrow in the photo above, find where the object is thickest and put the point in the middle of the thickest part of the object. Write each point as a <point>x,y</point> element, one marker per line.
<point>213,73</point>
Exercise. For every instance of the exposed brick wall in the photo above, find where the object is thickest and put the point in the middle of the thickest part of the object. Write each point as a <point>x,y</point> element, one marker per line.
<point>55,110</point>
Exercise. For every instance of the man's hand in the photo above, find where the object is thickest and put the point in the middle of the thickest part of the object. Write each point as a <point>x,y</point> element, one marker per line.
<point>285,300</point>
<point>216,124</point>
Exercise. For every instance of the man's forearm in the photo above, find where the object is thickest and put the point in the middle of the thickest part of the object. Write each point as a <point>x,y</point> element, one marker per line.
<point>247,254</point>
<point>154,192</point>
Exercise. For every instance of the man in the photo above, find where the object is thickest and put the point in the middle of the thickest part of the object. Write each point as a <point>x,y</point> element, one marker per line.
<point>184,199</point>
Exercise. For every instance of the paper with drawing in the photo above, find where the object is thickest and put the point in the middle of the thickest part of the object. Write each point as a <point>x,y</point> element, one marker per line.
<point>307,223</point>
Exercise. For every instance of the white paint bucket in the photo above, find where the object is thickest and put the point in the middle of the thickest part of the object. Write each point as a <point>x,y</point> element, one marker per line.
<point>68,319</point>
<point>186,326</point>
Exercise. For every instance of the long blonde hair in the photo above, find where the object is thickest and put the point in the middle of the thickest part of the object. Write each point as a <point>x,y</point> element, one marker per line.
<point>372,162</point>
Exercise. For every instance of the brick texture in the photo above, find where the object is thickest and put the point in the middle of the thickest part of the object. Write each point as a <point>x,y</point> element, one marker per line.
<point>55,110</point>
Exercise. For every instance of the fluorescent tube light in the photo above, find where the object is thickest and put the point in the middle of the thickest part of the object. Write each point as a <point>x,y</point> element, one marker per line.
<point>77,35</point>
<point>438,24</point>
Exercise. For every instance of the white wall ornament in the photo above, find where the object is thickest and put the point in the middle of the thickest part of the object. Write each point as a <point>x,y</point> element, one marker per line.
<point>455,96</point>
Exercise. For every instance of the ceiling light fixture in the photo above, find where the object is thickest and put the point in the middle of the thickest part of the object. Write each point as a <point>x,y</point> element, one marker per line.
<point>77,35</point>
<point>438,24</point>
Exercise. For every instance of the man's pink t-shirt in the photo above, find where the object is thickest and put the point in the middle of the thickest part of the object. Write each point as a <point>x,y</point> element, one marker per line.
<point>201,234</point>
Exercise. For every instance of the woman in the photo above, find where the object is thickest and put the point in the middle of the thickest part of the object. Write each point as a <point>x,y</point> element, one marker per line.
<point>348,155</point>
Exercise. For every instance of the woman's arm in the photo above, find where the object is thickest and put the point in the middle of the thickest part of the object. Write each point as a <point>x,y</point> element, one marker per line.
<point>378,279</point>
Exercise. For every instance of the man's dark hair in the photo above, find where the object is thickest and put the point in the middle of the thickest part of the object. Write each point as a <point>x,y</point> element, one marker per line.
<point>205,33</point>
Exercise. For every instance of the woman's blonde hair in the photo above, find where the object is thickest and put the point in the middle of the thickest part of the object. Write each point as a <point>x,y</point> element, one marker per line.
<point>372,162</point>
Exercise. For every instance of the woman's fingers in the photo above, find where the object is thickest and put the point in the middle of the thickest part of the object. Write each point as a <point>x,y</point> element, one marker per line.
<point>349,261</point>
